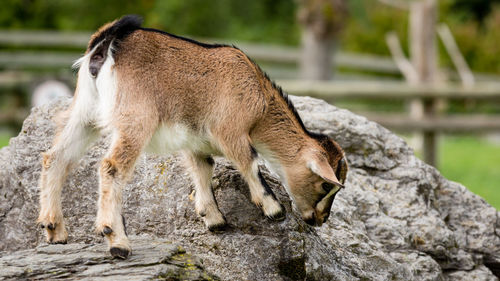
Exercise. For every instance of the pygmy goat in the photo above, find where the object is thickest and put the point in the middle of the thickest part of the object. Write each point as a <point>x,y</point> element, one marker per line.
<point>152,89</point>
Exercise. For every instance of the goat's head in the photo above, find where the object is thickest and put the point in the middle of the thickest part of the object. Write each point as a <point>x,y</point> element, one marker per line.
<point>316,178</point>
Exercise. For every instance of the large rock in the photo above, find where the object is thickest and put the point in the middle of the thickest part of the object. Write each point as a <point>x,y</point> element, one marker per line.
<point>154,259</point>
<point>397,219</point>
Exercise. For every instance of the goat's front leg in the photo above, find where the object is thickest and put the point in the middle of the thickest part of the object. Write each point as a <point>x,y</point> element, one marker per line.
<point>201,169</point>
<point>261,193</point>
<point>244,156</point>
<point>70,143</point>
<point>114,173</point>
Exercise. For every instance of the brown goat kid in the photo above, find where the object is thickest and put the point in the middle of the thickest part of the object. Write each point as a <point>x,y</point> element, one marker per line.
<point>151,89</point>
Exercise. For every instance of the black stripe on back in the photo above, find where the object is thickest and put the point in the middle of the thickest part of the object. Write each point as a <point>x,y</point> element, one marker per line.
<point>285,97</point>
<point>201,44</point>
<point>119,30</point>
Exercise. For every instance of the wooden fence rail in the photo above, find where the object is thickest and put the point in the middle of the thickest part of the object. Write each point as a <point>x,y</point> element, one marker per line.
<point>265,53</point>
<point>391,91</point>
<point>331,90</point>
<point>268,53</point>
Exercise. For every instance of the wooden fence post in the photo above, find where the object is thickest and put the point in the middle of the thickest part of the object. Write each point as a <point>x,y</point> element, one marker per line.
<point>430,136</point>
<point>423,56</point>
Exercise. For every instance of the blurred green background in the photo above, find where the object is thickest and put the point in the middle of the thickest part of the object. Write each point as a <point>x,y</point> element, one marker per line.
<point>475,24</point>
<point>473,160</point>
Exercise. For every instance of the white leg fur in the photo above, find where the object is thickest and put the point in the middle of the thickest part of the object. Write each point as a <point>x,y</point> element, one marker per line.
<point>260,196</point>
<point>201,172</point>
<point>109,220</point>
<point>57,163</point>
<point>115,171</point>
<point>69,145</point>
<point>247,163</point>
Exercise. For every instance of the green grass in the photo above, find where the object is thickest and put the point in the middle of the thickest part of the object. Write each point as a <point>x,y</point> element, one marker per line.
<point>4,139</point>
<point>473,162</point>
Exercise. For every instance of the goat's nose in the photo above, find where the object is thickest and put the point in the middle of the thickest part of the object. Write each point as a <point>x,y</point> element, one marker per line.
<point>311,220</point>
<point>326,218</point>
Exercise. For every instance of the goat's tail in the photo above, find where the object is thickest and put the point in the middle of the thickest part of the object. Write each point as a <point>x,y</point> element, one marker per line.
<point>109,36</point>
<point>97,84</point>
<point>115,31</point>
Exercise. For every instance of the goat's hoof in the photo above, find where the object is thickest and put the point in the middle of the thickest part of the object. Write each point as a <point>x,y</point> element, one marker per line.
<point>55,232</point>
<point>59,242</point>
<point>219,227</point>
<point>279,216</point>
<point>119,253</point>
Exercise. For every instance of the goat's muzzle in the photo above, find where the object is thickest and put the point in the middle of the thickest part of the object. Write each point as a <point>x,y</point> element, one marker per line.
<point>322,210</point>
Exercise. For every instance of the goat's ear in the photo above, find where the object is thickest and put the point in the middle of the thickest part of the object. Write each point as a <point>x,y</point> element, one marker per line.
<point>322,168</point>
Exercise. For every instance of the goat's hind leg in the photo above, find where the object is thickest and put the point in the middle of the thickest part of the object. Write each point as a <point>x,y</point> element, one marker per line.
<point>201,169</point>
<point>70,143</point>
<point>115,171</point>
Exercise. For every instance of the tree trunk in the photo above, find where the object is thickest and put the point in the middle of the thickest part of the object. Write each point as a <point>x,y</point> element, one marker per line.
<point>316,61</point>
<point>321,22</point>
<point>423,52</point>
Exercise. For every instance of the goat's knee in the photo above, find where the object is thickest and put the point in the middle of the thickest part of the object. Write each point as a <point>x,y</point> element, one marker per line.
<point>46,160</point>
<point>108,168</point>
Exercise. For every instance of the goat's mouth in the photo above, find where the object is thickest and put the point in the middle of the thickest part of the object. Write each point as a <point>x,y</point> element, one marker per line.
<point>310,220</point>
<point>317,219</point>
<point>321,212</point>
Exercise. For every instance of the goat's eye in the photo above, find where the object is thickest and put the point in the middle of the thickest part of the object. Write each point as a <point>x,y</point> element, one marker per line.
<point>327,186</point>
<point>341,170</point>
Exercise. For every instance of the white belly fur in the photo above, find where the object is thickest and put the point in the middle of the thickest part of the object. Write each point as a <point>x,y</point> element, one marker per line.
<point>171,138</point>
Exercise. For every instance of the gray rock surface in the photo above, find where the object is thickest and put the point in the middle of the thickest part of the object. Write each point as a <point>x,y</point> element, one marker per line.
<point>153,259</point>
<point>398,218</point>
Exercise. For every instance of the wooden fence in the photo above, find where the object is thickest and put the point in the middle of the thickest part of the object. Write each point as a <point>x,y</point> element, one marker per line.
<point>28,52</point>
<point>433,121</point>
